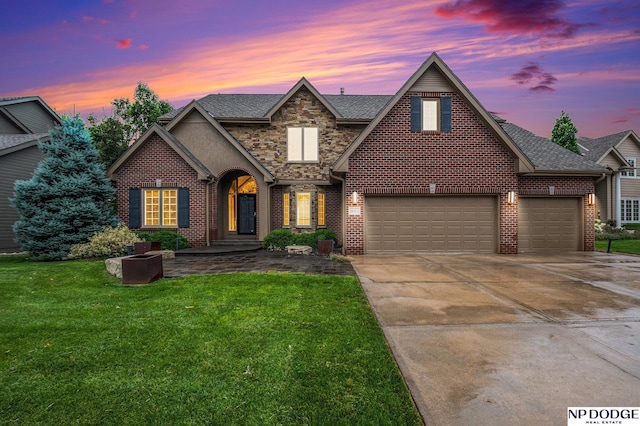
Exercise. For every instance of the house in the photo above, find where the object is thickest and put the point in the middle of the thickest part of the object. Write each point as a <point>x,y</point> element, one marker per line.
<point>24,121</point>
<point>618,194</point>
<point>428,169</point>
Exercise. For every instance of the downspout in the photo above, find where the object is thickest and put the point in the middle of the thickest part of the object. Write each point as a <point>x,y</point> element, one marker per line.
<point>342,217</point>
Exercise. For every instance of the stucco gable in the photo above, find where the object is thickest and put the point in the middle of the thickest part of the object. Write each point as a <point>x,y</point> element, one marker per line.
<point>435,75</point>
<point>195,107</point>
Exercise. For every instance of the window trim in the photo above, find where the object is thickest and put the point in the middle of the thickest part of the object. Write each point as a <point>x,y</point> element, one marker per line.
<point>161,208</point>
<point>308,152</point>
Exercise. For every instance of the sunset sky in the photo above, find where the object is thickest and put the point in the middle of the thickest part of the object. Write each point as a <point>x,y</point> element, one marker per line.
<point>525,60</point>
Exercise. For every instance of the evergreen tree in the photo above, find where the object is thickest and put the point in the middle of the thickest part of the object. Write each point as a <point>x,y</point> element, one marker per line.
<point>564,133</point>
<point>68,198</point>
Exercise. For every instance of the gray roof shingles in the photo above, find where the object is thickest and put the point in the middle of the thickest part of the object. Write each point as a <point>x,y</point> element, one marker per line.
<point>597,148</point>
<point>546,155</point>
<point>14,141</point>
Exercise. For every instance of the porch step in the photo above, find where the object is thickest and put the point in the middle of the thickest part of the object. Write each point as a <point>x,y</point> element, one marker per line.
<point>222,247</point>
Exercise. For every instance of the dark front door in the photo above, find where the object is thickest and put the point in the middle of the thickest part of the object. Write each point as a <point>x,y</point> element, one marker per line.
<point>247,214</point>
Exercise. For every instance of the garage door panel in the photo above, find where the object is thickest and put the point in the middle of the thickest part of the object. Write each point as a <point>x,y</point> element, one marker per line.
<point>549,224</point>
<point>431,224</point>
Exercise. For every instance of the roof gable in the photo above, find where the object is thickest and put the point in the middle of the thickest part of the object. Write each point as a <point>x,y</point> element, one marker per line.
<point>29,113</point>
<point>435,71</point>
<point>302,83</point>
<point>195,106</point>
<point>181,150</point>
<point>599,148</point>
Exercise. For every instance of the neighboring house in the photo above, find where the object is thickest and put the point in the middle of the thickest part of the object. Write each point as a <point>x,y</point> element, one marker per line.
<point>428,169</point>
<point>618,194</point>
<point>23,122</point>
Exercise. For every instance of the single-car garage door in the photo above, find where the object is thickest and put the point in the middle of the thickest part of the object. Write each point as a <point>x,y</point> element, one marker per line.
<point>431,224</point>
<point>547,224</point>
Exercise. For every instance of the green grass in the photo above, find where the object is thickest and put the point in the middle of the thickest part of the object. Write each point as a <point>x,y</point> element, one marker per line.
<point>619,246</point>
<point>77,347</point>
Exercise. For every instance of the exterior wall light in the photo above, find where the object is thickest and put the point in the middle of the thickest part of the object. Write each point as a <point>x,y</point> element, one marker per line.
<point>511,197</point>
<point>591,199</point>
<point>354,197</point>
<point>158,183</point>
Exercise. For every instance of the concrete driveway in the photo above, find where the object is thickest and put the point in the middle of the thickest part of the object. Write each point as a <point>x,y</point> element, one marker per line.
<point>506,340</point>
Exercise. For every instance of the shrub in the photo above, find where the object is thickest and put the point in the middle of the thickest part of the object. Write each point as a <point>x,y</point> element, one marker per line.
<point>609,231</point>
<point>166,238</point>
<point>110,242</point>
<point>280,238</point>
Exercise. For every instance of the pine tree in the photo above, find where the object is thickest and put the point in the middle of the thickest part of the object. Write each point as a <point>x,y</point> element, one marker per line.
<point>67,199</point>
<point>564,133</point>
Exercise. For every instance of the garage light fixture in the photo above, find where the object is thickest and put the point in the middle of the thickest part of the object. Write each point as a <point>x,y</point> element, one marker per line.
<point>511,197</point>
<point>591,199</point>
<point>354,197</point>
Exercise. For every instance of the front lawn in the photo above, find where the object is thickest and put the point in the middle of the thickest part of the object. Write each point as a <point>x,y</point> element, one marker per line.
<point>619,246</point>
<point>78,347</point>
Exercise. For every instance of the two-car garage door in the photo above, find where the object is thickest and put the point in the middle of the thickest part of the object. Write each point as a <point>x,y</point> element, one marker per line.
<point>431,224</point>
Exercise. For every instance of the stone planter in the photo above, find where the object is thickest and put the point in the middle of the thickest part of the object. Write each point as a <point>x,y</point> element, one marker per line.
<point>142,268</point>
<point>325,246</point>
<point>145,246</point>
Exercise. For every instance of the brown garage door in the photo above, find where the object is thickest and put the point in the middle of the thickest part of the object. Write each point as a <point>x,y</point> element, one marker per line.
<point>547,224</point>
<point>431,224</point>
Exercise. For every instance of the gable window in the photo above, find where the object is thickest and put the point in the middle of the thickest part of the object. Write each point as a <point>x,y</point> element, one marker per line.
<point>303,209</point>
<point>302,144</point>
<point>321,221</point>
<point>285,209</point>
<point>161,207</point>
<point>632,172</point>
<point>431,114</point>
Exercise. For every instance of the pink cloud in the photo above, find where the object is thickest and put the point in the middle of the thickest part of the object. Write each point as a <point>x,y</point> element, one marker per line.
<point>143,47</point>
<point>629,114</point>
<point>124,43</point>
<point>538,17</point>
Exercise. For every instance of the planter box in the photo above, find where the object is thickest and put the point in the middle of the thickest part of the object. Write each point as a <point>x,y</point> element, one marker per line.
<point>325,246</point>
<point>145,246</point>
<point>142,268</point>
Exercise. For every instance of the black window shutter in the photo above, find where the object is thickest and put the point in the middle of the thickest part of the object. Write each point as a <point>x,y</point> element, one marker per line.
<point>134,208</point>
<point>416,113</point>
<point>445,114</point>
<point>183,207</point>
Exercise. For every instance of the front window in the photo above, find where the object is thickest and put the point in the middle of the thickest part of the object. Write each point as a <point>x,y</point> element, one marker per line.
<point>161,207</point>
<point>285,209</point>
<point>303,209</point>
<point>630,210</point>
<point>321,221</point>
<point>302,144</point>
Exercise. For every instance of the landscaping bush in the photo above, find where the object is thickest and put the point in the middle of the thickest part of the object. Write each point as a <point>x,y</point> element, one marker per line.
<point>280,238</point>
<point>110,242</point>
<point>166,238</point>
<point>609,231</point>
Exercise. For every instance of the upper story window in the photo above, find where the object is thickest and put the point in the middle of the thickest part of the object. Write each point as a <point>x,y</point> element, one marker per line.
<point>630,173</point>
<point>431,114</point>
<point>302,144</point>
<point>161,207</point>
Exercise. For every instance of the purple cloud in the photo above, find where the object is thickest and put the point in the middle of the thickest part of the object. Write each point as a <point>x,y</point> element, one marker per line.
<point>537,17</point>
<point>531,73</point>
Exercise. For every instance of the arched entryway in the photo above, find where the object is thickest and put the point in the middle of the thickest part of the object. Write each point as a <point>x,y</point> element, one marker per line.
<point>237,208</point>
